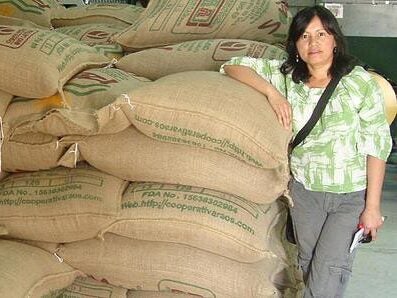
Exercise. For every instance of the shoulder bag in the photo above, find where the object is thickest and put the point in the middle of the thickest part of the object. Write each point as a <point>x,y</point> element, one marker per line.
<point>303,133</point>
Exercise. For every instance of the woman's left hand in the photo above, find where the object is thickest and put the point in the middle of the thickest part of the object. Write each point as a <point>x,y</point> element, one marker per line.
<point>372,221</point>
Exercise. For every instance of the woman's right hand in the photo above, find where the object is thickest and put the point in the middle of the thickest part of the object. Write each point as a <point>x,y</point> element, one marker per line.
<point>277,101</point>
<point>282,108</point>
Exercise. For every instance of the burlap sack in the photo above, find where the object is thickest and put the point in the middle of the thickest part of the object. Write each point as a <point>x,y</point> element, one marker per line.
<point>85,287</point>
<point>160,266</point>
<point>31,152</point>
<point>290,280</point>
<point>28,271</point>
<point>279,245</point>
<point>51,247</point>
<point>220,223</point>
<point>92,106</point>
<point>2,176</point>
<point>18,22</point>
<point>153,294</point>
<point>59,205</point>
<point>135,157</point>
<point>175,21</point>
<point>208,54</point>
<point>98,36</point>
<point>21,110</point>
<point>36,63</point>
<point>114,14</point>
<point>5,100</point>
<point>209,110</point>
<point>38,12</point>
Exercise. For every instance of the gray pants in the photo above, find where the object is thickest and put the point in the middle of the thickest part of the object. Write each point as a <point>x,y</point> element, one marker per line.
<point>324,225</point>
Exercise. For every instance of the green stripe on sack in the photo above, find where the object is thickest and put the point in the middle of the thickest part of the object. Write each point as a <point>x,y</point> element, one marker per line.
<point>74,88</point>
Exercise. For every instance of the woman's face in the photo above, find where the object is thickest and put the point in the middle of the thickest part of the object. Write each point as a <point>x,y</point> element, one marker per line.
<point>316,46</point>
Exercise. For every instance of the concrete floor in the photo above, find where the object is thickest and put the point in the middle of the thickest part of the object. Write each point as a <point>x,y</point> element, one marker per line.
<point>375,267</point>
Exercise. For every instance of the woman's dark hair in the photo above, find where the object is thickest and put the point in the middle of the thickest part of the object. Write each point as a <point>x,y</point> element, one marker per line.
<point>342,63</point>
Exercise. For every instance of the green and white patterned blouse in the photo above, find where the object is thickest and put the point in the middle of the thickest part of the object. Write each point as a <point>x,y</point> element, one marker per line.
<point>332,158</point>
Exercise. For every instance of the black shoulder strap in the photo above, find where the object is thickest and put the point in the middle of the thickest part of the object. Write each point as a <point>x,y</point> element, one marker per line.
<point>318,110</point>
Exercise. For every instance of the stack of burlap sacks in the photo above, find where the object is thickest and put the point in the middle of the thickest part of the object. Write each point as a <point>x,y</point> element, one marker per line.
<point>152,176</point>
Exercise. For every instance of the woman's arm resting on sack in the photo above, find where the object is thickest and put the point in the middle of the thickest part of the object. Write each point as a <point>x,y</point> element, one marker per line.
<point>371,217</point>
<point>278,102</point>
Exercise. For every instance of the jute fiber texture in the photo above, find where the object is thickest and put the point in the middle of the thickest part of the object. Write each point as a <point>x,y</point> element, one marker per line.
<point>220,223</point>
<point>92,106</point>
<point>31,152</point>
<point>174,21</point>
<point>154,294</point>
<point>102,13</point>
<point>208,110</point>
<point>98,36</point>
<point>10,21</point>
<point>86,287</point>
<point>38,12</point>
<point>132,156</point>
<point>207,54</point>
<point>59,205</point>
<point>36,63</point>
<point>28,271</point>
<point>154,266</point>
<point>5,99</point>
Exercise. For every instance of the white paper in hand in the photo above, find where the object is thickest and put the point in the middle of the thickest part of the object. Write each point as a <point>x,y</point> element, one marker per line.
<point>356,240</point>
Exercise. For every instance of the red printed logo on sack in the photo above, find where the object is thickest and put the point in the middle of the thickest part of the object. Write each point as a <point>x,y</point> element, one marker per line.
<point>270,24</point>
<point>227,49</point>
<point>16,38</point>
<point>92,83</point>
<point>97,35</point>
<point>204,13</point>
<point>232,46</point>
<point>86,75</point>
<point>41,4</point>
<point>283,7</point>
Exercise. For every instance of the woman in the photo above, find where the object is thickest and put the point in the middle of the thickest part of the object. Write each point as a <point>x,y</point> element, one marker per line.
<point>338,170</point>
